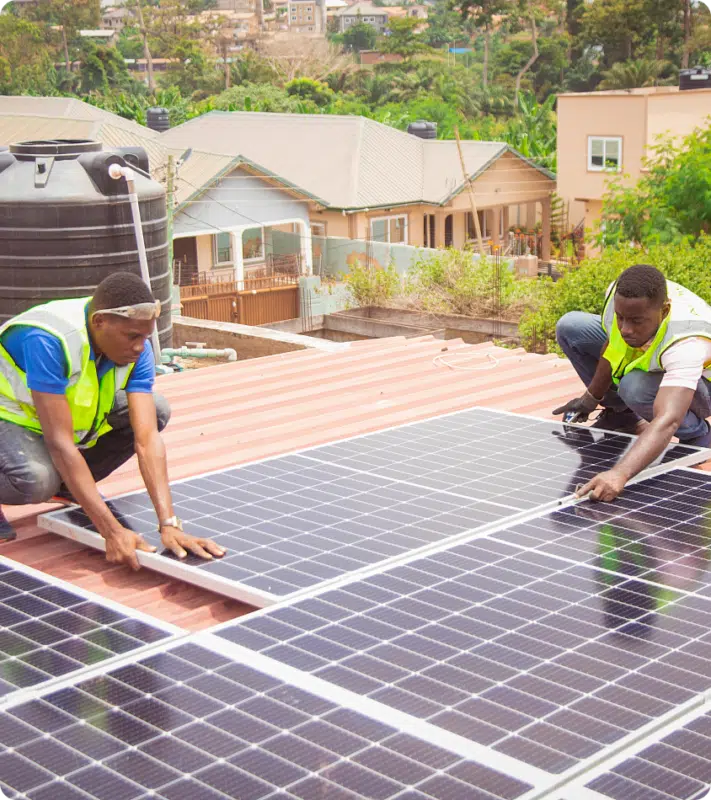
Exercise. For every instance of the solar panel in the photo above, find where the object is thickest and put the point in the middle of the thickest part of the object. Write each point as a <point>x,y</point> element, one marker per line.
<point>189,723</point>
<point>294,523</point>
<point>49,630</point>
<point>657,532</point>
<point>545,660</point>
<point>673,765</point>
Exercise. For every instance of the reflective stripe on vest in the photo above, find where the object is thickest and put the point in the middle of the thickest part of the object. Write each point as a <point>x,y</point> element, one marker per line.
<point>688,317</point>
<point>90,400</point>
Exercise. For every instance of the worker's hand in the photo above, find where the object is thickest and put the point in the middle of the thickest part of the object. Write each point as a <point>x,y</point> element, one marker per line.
<point>582,406</point>
<point>606,486</point>
<point>180,543</point>
<point>121,547</point>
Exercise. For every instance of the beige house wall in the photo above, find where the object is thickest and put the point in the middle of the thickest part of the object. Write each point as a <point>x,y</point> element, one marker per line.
<point>677,113</point>
<point>581,116</point>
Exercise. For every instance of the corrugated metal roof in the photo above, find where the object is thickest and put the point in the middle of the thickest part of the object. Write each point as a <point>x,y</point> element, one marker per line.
<point>235,413</point>
<point>348,162</point>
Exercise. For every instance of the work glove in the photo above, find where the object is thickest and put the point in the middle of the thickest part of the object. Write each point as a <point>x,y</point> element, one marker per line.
<point>580,408</point>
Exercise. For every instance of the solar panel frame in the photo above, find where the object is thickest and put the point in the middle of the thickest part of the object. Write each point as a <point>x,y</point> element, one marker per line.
<point>127,615</point>
<point>306,714</point>
<point>210,578</point>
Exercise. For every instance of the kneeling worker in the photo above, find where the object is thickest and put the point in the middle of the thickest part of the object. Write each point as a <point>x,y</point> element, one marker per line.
<point>76,401</point>
<point>646,360</point>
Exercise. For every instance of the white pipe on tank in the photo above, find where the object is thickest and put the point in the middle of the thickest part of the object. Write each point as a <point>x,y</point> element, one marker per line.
<point>116,171</point>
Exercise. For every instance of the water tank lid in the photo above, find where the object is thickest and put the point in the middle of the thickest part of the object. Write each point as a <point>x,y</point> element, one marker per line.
<point>56,147</point>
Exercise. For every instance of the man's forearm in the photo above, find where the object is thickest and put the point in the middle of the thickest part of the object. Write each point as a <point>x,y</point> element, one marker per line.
<point>649,446</point>
<point>153,464</point>
<point>76,474</point>
<point>602,379</point>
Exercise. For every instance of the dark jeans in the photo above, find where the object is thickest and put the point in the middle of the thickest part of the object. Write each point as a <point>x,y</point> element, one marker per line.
<point>27,473</point>
<point>581,338</point>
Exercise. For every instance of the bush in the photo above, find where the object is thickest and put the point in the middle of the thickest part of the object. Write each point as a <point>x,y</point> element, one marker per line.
<point>455,282</point>
<point>583,288</point>
<point>372,286</point>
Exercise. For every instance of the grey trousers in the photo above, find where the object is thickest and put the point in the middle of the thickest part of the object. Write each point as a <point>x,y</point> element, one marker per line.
<point>27,473</point>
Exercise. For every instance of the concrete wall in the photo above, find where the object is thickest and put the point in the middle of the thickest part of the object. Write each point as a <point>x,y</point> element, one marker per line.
<point>239,199</point>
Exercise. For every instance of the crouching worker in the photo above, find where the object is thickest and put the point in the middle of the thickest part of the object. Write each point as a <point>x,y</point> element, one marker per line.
<point>647,362</point>
<point>76,402</point>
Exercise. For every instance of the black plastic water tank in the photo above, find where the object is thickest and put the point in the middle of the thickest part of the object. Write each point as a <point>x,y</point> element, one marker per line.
<point>158,119</point>
<point>423,129</point>
<point>695,78</point>
<point>65,224</point>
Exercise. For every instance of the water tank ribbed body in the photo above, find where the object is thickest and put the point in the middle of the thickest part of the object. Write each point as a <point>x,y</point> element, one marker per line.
<point>65,224</point>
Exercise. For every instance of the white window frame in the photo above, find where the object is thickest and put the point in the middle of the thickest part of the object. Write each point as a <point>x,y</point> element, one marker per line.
<point>388,219</point>
<point>604,139</point>
<point>216,250</point>
<point>315,227</point>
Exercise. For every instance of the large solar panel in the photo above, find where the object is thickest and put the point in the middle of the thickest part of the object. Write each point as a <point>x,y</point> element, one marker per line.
<point>549,662</point>
<point>297,522</point>
<point>49,630</point>
<point>189,723</point>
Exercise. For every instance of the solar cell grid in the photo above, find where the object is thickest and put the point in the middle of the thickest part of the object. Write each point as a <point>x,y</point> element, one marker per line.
<point>296,522</point>
<point>244,734</point>
<point>657,533</point>
<point>48,631</point>
<point>546,661</point>
<point>673,766</point>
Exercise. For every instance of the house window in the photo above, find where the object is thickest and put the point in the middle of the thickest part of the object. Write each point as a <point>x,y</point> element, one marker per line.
<point>318,229</point>
<point>308,18</point>
<point>253,244</point>
<point>389,229</point>
<point>428,237</point>
<point>221,249</point>
<point>604,153</point>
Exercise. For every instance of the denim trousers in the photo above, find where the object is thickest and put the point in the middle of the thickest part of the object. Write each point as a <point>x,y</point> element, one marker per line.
<point>581,337</point>
<point>27,473</point>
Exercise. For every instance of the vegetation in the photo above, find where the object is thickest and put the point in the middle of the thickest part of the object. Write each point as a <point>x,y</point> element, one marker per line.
<point>584,287</point>
<point>372,286</point>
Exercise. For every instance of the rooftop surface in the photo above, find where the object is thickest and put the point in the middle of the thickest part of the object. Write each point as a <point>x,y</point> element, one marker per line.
<point>236,413</point>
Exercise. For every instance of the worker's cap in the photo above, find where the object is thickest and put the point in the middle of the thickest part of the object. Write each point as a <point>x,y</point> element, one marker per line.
<point>143,311</point>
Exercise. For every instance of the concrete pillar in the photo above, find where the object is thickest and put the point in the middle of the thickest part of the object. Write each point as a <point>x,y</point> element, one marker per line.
<point>459,230</point>
<point>307,260</point>
<point>505,213</point>
<point>546,229</point>
<point>530,216</point>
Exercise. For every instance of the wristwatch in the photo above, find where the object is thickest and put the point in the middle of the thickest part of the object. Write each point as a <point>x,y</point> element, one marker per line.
<point>172,522</point>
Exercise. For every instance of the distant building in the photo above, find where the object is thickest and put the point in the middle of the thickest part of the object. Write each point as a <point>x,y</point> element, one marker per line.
<point>306,16</point>
<point>362,12</point>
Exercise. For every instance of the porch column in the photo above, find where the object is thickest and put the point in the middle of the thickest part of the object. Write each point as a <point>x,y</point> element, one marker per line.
<point>530,216</point>
<point>238,256</point>
<point>505,212</point>
<point>495,223</point>
<point>546,229</point>
<point>439,228</point>
<point>306,249</point>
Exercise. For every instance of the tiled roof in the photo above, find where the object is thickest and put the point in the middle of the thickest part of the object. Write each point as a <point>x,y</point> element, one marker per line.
<point>234,413</point>
<point>347,162</point>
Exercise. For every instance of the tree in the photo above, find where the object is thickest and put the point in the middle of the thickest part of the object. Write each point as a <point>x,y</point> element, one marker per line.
<point>670,202</point>
<point>309,89</point>
<point>402,38</point>
<point>360,36</point>
<point>25,58</point>
<point>102,69</point>
<point>482,13</point>
<point>633,74</point>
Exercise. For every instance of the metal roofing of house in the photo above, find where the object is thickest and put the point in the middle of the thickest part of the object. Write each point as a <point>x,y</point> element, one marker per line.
<point>235,413</point>
<point>364,9</point>
<point>348,162</point>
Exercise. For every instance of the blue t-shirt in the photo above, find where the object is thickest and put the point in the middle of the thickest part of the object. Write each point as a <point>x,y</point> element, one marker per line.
<point>40,356</point>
